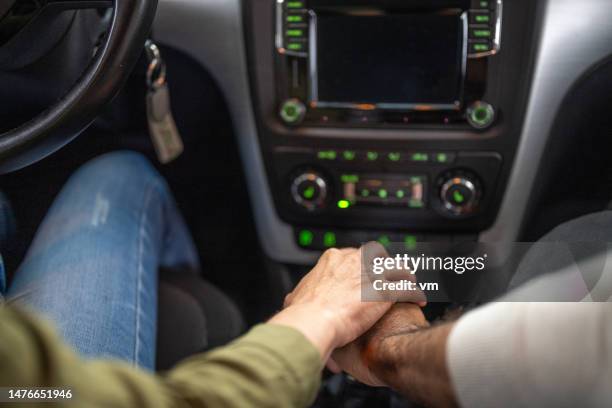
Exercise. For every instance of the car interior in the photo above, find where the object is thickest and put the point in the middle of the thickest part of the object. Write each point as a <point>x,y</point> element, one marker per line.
<point>303,125</point>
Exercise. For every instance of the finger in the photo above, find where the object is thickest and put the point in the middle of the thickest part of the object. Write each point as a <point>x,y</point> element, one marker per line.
<point>333,366</point>
<point>372,250</point>
<point>395,275</point>
<point>378,289</point>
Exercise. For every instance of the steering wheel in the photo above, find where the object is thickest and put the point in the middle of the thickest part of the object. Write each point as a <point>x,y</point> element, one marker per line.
<point>101,80</point>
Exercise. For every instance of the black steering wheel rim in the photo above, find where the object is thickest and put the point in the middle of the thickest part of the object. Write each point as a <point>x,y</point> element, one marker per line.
<point>102,79</point>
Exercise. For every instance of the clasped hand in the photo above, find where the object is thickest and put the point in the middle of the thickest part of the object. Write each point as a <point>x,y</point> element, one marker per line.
<point>326,306</point>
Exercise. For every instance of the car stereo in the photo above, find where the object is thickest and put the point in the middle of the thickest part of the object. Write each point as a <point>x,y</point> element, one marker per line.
<point>390,62</point>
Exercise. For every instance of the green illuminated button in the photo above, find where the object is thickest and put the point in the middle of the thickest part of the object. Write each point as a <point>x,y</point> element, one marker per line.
<point>295,46</point>
<point>308,193</point>
<point>349,178</point>
<point>327,155</point>
<point>481,47</point>
<point>295,18</point>
<point>410,242</point>
<point>349,155</point>
<point>459,195</point>
<point>292,111</point>
<point>394,156</point>
<point>305,238</point>
<point>384,240</point>
<point>482,18</point>
<point>295,4</point>
<point>443,157</point>
<point>482,4</point>
<point>372,156</point>
<point>295,32</point>
<point>382,193</point>
<point>419,157</point>
<point>400,194</point>
<point>481,33</point>
<point>481,115</point>
<point>365,193</point>
<point>329,239</point>
<point>344,204</point>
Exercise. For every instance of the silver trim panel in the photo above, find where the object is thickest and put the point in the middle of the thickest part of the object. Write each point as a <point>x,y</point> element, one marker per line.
<point>575,35</point>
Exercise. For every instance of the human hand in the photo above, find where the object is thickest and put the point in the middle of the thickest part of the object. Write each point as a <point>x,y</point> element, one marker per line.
<point>358,357</point>
<point>326,305</point>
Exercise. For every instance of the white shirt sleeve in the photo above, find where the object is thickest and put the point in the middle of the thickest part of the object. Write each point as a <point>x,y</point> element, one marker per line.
<point>533,355</point>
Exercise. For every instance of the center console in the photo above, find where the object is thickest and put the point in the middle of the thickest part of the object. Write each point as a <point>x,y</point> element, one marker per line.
<point>393,120</point>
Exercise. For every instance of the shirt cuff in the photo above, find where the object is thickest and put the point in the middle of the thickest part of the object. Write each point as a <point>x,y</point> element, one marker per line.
<point>482,356</point>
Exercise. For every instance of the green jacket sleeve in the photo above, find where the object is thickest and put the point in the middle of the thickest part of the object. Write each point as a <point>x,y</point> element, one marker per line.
<point>271,366</point>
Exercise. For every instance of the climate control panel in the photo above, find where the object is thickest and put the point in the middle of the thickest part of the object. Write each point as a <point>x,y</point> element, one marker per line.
<point>371,189</point>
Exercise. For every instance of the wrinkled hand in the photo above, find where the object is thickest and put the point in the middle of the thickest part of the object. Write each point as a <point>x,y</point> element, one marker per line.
<point>356,358</point>
<point>326,305</point>
<point>334,285</point>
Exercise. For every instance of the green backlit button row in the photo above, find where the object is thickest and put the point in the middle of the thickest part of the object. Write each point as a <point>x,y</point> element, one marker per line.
<point>296,27</point>
<point>372,156</point>
<point>315,239</point>
<point>307,238</point>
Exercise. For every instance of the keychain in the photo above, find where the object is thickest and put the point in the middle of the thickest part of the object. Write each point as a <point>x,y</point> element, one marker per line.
<point>164,134</point>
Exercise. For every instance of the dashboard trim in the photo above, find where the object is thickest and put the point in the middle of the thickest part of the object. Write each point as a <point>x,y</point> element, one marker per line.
<point>574,37</point>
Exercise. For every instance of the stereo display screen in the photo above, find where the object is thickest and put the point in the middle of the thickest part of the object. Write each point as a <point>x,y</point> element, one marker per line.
<point>393,61</point>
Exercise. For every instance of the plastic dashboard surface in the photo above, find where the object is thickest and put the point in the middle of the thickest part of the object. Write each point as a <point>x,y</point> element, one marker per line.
<point>569,38</point>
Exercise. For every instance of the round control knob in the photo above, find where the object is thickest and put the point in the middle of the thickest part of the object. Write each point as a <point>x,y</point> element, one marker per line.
<point>292,111</point>
<point>481,115</point>
<point>309,190</point>
<point>460,195</point>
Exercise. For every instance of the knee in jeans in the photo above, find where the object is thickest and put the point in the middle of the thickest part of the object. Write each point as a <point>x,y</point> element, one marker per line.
<point>127,166</point>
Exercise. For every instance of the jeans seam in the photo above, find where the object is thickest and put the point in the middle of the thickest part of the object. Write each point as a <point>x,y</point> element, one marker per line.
<point>147,200</point>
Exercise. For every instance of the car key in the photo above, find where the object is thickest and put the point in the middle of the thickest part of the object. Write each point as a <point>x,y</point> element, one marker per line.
<point>162,127</point>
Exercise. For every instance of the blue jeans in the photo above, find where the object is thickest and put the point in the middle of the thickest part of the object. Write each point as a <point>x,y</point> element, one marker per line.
<point>93,266</point>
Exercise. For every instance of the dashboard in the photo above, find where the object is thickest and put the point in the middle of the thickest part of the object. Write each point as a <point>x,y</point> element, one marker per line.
<point>403,121</point>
